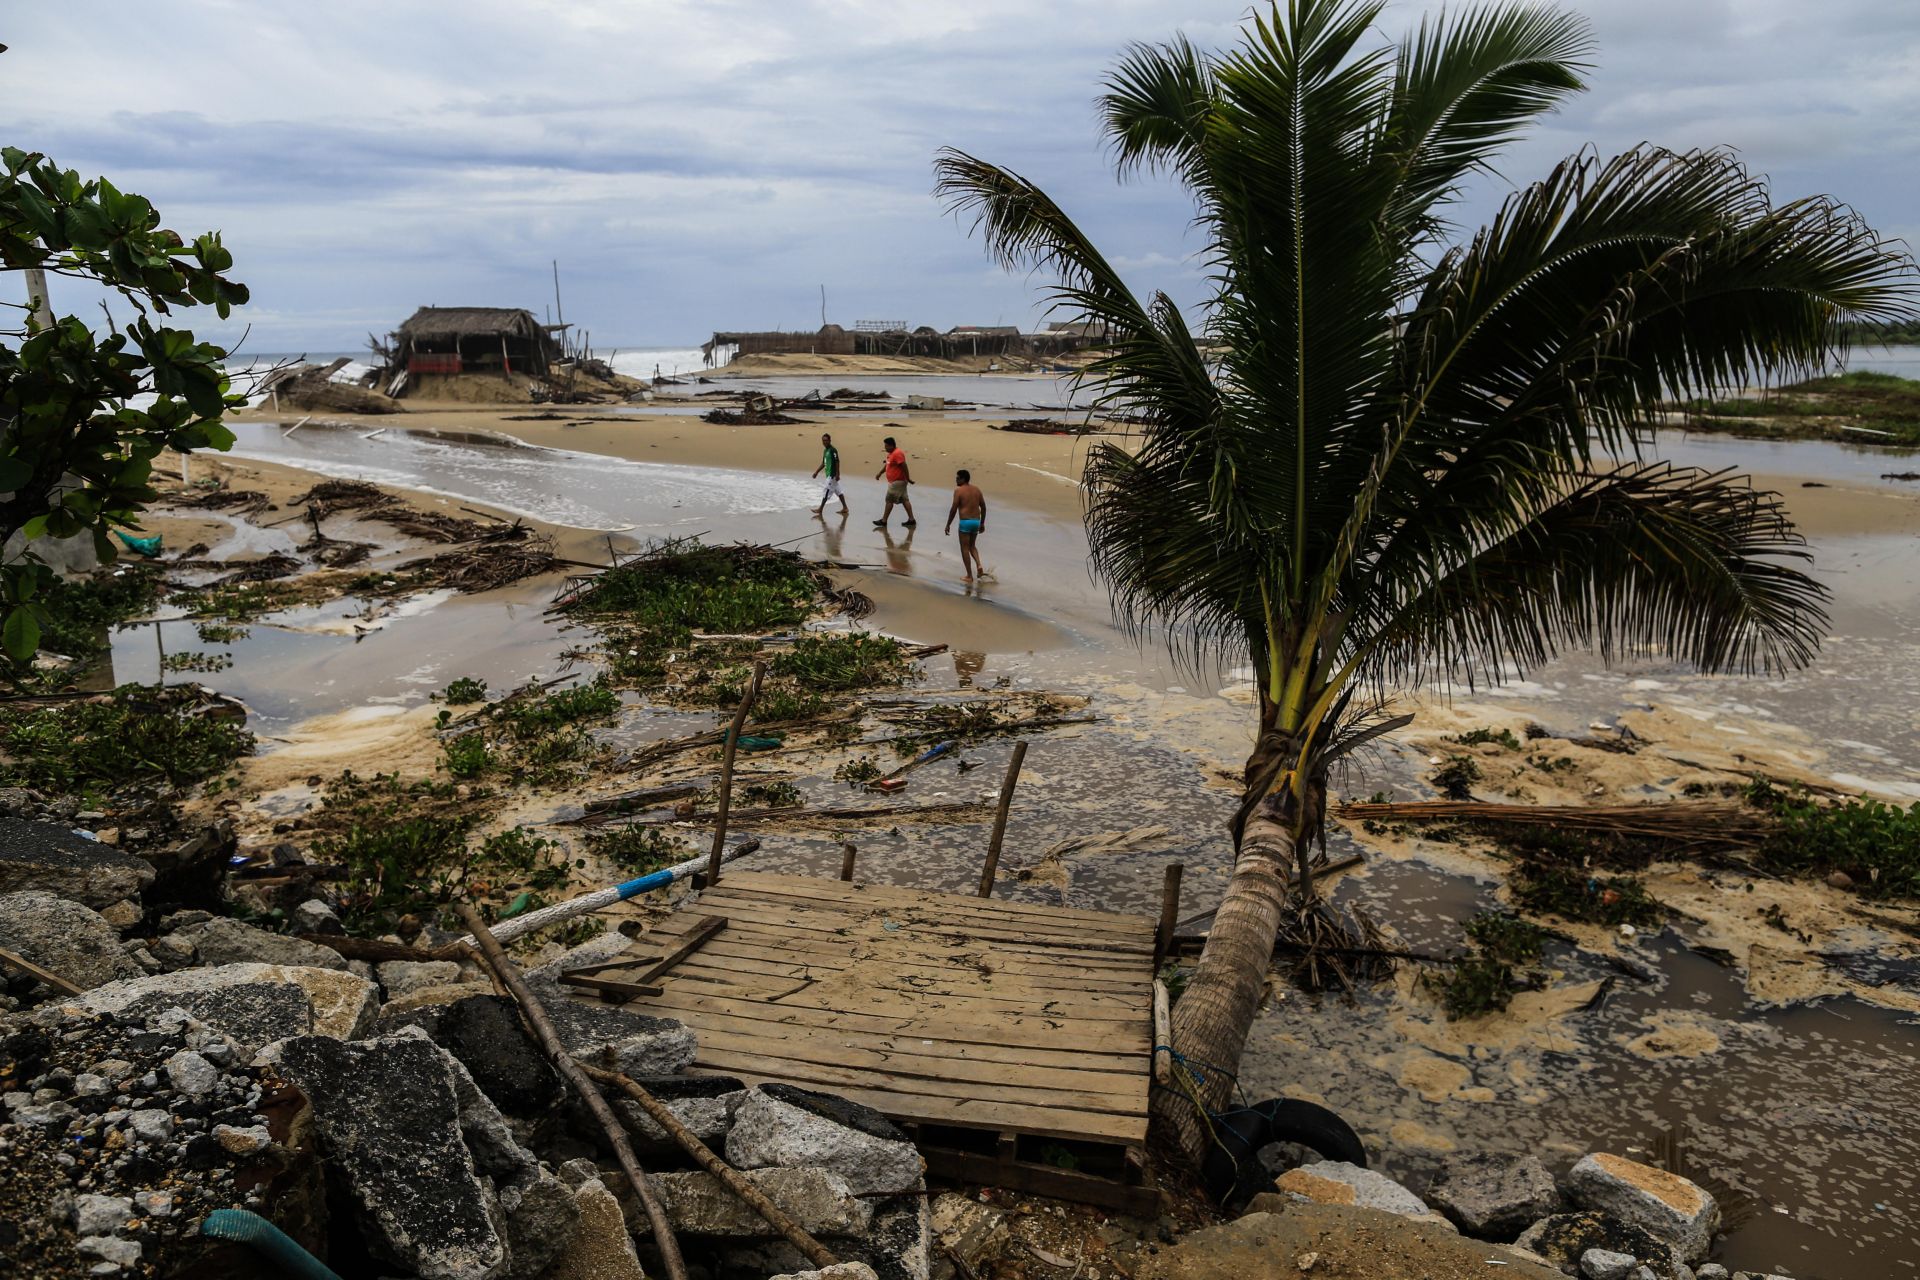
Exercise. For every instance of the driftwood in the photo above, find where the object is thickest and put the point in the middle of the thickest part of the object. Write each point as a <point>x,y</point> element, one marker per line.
<point>1007,784</point>
<point>851,813</point>
<point>730,1178</point>
<point>726,772</point>
<point>32,970</point>
<point>656,751</point>
<point>535,1016</point>
<point>1722,825</point>
<point>377,950</point>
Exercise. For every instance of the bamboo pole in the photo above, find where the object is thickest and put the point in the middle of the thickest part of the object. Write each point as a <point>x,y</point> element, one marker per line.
<point>726,773</point>
<point>1000,819</point>
<point>703,1156</point>
<point>506,974</point>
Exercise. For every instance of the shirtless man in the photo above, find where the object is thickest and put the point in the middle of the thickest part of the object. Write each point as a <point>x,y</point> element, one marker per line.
<point>970,505</point>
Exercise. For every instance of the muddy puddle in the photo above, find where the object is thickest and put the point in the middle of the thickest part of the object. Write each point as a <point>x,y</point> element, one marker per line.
<point>1801,1116</point>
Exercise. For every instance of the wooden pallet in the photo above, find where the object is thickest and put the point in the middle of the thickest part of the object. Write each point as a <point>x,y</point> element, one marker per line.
<point>991,1030</point>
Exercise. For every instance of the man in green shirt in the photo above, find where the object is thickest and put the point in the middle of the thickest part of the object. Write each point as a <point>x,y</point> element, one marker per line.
<point>830,465</point>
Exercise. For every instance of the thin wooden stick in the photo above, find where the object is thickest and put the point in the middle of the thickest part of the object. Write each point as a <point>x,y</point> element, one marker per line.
<point>535,1016</point>
<point>1000,819</point>
<point>726,774</point>
<point>32,970</point>
<point>847,852</point>
<point>703,1156</point>
<point>1169,913</point>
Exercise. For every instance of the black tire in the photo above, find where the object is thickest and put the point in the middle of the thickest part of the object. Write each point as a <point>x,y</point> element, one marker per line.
<point>1232,1170</point>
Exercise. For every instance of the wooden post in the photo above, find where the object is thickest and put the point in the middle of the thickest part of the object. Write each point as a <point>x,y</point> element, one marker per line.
<point>36,282</point>
<point>1169,914</point>
<point>1000,818</point>
<point>534,1015</point>
<point>847,852</point>
<point>726,773</point>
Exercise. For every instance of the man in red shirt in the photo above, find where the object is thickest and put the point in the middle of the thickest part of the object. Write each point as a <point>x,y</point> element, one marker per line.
<point>898,479</point>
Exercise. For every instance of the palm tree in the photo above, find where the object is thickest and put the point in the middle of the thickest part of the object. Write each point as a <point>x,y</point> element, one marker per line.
<point>1389,455</point>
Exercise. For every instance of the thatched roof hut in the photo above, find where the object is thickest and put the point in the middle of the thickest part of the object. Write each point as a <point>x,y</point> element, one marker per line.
<point>476,339</point>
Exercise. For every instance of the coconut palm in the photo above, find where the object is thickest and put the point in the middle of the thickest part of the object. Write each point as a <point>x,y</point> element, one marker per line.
<point>1389,455</point>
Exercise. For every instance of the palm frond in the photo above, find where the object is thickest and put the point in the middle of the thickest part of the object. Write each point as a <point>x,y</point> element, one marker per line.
<point>1647,559</point>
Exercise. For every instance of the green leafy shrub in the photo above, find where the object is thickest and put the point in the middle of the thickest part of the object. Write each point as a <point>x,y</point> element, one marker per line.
<point>189,660</point>
<point>1506,936</point>
<point>1875,845</point>
<point>546,712</point>
<point>858,771</point>
<point>464,692</point>
<point>140,733</point>
<point>1575,894</point>
<point>637,850</point>
<point>847,660</point>
<point>771,795</point>
<point>468,755</point>
<point>1455,778</point>
<point>1475,737</point>
<point>1478,984</point>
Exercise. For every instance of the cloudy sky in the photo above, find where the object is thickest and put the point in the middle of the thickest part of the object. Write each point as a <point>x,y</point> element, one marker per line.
<point>698,164</point>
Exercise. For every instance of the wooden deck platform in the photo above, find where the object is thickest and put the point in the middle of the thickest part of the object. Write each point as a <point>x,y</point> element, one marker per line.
<point>983,1026</point>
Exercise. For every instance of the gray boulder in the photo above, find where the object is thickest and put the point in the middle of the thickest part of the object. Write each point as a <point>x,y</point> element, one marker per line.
<point>387,1113</point>
<point>403,977</point>
<point>225,941</point>
<point>1604,1264</point>
<point>315,916</point>
<point>820,1200</point>
<point>1495,1197</point>
<point>602,1248</point>
<point>1337,1182</point>
<point>255,1004</point>
<point>1564,1238</point>
<point>50,857</point>
<point>633,1044</point>
<point>1665,1204</point>
<point>64,937</point>
<point>780,1126</point>
<point>704,1104</point>
<point>839,1271</point>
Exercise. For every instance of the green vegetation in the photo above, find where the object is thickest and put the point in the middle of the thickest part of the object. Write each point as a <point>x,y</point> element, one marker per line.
<point>464,691</point>
<point>1820,408</point>
<point>771,795</point>
<point>1475,737</point>
<point>1478,984</point>
<point>1505,936</point>
<point>1875,845</point>
<point>189,660</point>
<point>1575,894</point>
<point>1455,778</point>
<point>141,733</point>
<point>858,772</point>
<point>681,586</point>
<point>397,864</point>
<point>845,660</point>
<point>545,713</point>
<point>87,415</point>
<point>245,601</point>
<point>779,704</point>
<point>220,632</point>
<point>468,755</point>
<point>78,616</point>
<point>637,850</point>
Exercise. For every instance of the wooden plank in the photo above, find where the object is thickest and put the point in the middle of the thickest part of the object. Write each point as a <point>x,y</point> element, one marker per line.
<point>907,914</point>
<point>1085,1126</point>
<point>857,896</point>
<point>1128,1089</point>
<point>1042,1180</point>
<point>826,1041</point>
<point>875,891</point>
<point>837,1076</point>
<point>830,941</point>
<point>780,917</point>
<point>945,911</point>
<point>950,984</point>
<point>818,993</point>
<point>952,963</point>
<point>1026,1032</point>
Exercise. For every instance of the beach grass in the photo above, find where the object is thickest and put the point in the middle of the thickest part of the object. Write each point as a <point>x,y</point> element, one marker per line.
<point>1855,406</point>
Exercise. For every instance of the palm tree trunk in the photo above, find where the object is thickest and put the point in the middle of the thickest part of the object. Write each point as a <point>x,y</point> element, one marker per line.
<point>1215,1012</point>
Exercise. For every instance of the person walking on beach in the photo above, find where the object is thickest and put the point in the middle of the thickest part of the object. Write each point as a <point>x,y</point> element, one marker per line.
<point>830,465</point>
<point>898,479</point>
<point>971,506</point>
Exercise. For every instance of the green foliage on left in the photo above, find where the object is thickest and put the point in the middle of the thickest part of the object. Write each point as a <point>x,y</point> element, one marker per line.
<point>76,451</point>
<point>138,734</point>
<point>1875,845</point>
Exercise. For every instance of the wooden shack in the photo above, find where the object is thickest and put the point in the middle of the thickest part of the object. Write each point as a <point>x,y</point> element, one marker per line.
<point>499,340</point>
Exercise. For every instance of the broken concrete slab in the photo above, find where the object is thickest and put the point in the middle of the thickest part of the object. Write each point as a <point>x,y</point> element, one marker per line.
<point>1337,1182</point>
<point>820,1200</point>
<point>839,1271</point>
<point>1493,1196</point>
<point>1665,1204</point>
<point>612,1039</point>
<point>222,940</point>
<point>601,1248</point>
<point>50,857</point>
<point>63,937</point>
<point>704,1104</point>
<point>403,977</point>
<point>255,1004</point>
<point>780,1126</point>
<point>388,1116</point>
<point>1563,1238</point>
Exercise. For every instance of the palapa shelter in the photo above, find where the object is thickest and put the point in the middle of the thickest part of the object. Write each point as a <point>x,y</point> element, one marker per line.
<point>476,340</point>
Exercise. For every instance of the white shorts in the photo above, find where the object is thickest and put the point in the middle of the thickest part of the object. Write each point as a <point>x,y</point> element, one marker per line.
<point>832,489</point>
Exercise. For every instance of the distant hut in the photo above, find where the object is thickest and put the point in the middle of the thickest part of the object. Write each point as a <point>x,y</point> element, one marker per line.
<point>448,340</point>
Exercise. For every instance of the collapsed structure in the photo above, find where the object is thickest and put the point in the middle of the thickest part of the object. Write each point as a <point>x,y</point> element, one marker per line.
<point>894,338</point>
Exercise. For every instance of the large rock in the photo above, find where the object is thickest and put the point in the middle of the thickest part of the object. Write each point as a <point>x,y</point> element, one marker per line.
<point>704,1104</point>
<point>785,1127</point>
<point>1665,1204</point>
<point>1564,1238</point>
<point>1337,1182</point>
<point>1495,1197</point>
<point>64,937</point>
<point>484,1033</point>
<point>820,1200</point>
<point>388,1115</point>
<point>223,940</point>
<point>255,1004</point>
<point>839,1271</point>
<point>50,857</point>
<point>402,977</point>
<point>633,1044</point>
<point>602,1248</point>
<point>1345,1241</point>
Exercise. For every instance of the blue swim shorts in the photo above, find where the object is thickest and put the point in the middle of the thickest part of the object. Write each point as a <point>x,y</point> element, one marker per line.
<point>969,525</point>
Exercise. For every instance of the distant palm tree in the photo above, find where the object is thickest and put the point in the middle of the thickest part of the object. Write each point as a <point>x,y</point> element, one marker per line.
<point>1388,456</point>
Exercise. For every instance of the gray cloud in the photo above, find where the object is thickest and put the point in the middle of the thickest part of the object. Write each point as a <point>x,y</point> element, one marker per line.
<point>703,164</point>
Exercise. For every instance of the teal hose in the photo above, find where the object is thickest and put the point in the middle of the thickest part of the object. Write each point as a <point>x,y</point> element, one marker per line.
<point>275,1245</point>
